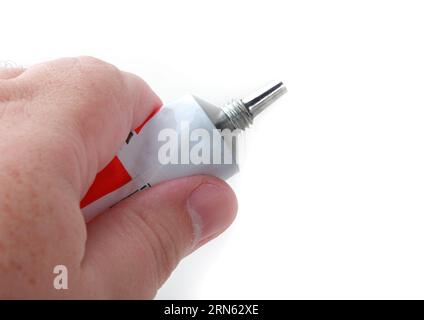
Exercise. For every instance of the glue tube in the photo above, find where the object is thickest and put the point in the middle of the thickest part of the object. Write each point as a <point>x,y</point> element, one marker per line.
<point>162,148</point>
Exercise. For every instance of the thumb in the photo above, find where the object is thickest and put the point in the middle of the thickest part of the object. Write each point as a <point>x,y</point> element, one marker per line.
<point>133,247</point>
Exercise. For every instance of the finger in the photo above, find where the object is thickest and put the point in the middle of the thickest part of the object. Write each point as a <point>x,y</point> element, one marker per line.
<point>133,247</point>
<point>89,106</point>
<point>9,73</point>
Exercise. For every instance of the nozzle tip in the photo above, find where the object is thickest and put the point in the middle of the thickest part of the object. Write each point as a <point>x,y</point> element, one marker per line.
<point>262,98</point>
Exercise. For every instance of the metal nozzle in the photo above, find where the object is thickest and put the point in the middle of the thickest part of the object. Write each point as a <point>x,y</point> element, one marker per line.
<point>241,112</point>
<point>259,100</point>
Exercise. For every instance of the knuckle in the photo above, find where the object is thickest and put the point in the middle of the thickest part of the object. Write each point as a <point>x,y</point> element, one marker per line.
<point>97,73</point>
<point>98,79</point>
<point>12,90</point>
<point>91,64</point>
<point>80,76</point>
<point>166,248</point>
<point>161,244</point>
<point>81,83</point>
<point>89,60</point>
<point>6,92</point>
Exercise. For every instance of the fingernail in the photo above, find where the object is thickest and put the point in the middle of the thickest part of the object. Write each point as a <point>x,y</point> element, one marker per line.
<point>212,209</point>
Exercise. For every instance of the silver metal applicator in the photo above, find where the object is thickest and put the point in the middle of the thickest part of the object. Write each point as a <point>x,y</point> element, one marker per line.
<point>239,113</point>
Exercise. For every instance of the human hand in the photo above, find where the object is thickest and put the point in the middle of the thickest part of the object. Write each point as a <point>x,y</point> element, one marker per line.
<point>60,123</point>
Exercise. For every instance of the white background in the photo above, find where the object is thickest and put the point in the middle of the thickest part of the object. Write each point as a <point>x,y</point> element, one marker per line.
<point>332,185</point>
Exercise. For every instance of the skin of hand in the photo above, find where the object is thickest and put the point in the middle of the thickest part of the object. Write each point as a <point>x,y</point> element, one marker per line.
<point>61,122</point>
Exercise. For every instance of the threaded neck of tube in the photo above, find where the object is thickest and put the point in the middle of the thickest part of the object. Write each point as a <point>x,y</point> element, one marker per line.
<point>238,115</point>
